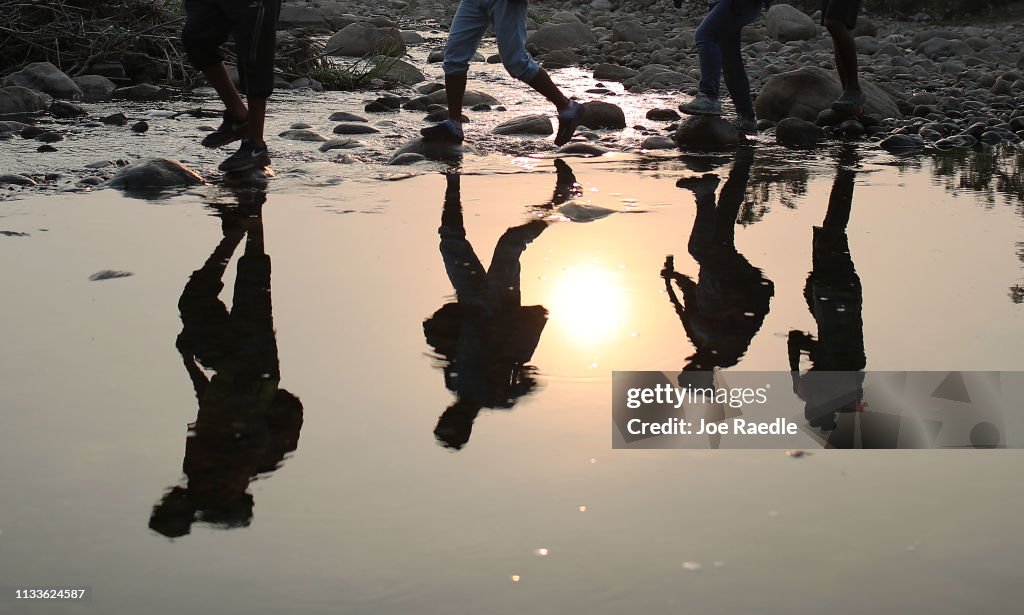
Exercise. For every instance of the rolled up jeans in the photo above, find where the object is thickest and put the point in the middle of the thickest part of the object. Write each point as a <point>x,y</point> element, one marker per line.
<point>509,20</point>
<point>720,51</point>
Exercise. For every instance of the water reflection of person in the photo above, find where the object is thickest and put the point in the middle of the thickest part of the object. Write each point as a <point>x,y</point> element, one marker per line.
<point>834,383</point>
<point>723,310</point>
<point>246,423</point>
<point>486,337</point>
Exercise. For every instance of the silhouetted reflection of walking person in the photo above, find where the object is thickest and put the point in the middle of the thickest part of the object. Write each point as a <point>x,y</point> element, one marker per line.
<point>834,296</point>
<point>246,423</point>
<point>723,310</point>
<point>486,337</point>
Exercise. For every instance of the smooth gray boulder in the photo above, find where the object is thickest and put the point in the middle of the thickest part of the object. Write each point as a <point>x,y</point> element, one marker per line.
<point>18,99</point>
<point>537,124</point>
<point>806,92</point>
<point>798,133</point>
<point>786,23</point>
<point>613,72</point>
<point>95,88</point>
<point>433,150</point>
<point>47,78</point>
<point>363,39</point>
<point>398,71</point>
<point>599,114</point>
<point>707,132</point>
<point>355,129</point>
<point>155,173</point>
<point>561,36</point>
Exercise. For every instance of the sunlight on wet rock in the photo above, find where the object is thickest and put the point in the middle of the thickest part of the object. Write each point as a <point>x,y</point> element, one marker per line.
<point>578,212</point>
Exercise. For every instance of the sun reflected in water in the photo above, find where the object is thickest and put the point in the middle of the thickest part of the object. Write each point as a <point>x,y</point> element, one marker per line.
<point>588,304</point>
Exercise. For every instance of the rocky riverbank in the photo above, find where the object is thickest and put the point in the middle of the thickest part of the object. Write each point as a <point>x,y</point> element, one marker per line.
<point>949,85</point>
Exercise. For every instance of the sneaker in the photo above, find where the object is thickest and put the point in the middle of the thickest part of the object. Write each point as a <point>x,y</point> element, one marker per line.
<point>568,121</point>
<point>850,102</point>
<point>746,125</point>
<point>702,104</point>
<point>445,131</point>
<point>231,130</point>
<point>248,156</point>
<point>703,185</point>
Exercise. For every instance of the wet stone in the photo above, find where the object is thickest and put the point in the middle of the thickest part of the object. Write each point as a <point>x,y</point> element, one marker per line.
<point>140,127</point>
<point>49,137</point>
<point>344,116</point>
<point>354,129</point>
<point>115,119</point>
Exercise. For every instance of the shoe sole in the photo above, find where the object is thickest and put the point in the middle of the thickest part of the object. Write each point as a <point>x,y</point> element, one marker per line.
<point>222,140</point>
<point>256,164</point>
<point>695,112</point>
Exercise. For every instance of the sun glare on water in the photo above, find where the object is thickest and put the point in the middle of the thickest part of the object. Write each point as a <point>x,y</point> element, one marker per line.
<point>588,304</point>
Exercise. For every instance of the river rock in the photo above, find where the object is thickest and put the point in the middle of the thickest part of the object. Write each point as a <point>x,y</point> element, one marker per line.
<point>786,23</point>
<point>16,180</point>
<point>903,144</point>
<point>582,212</point>
<point>354,129</point>
<point>398,71</point>
<point>662,115</point>
<point>795,132</point>
<point>340,144</point>
<point>440,97</point>
<point>363,39</point>
<point>613,72</point>
<point>50,136</point>
<point>941,49</point>
<point>115,119</point>
<point>707,132</point>
<point>18,99</point>
<point>657,142</point>
<point>433,150</point>
<point>580,148</point>
<point>155,173</point>
<point>95,88</point>
<point>629,30</point>
<point>12,127</point>
<point>805,92</point>
<point>293,17</point>
<point>344,116</point>
<point>561,36</point>
<point>600,114</point>
<point>62,110</point>
<point>538,124</point>
<point>406,158</point>
<point>142,91</point>
<point>47,78</point>
<point>303,135</point>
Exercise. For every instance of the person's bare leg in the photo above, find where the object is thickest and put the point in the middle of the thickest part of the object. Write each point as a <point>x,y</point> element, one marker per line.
<point>455,90</point>
<point>217,76</point>
<point>545,87</point>
<point>257,118</point>
<point>846,54</point>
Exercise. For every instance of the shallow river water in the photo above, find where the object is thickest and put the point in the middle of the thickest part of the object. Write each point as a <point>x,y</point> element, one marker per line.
<point>376,491</point>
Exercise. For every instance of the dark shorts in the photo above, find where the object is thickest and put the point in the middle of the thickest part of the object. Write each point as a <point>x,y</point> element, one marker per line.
<point>252,24</point>
<point>844,11</point>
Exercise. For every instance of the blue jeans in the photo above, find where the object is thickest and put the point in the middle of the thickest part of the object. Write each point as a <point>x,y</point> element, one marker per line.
<point>719,49</point>
<point>471,20</point>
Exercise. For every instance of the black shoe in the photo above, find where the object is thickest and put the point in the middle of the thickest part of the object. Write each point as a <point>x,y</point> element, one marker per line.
<point>230,130</point>
<point>569,120</point>
<point>447,131</point>
<point>248,156</point>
